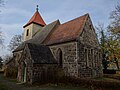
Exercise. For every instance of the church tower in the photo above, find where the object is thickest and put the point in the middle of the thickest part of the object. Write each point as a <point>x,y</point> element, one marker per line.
<point>34,24</point>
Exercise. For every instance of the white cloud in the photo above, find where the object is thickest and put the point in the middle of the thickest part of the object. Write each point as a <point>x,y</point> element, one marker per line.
<point>15,11</point>
<point>9,30</point>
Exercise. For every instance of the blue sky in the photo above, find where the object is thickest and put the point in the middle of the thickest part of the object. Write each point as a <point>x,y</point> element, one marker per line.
<point>16,13</point>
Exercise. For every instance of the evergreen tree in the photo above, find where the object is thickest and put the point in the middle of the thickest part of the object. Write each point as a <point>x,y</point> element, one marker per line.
<point>103,40</point>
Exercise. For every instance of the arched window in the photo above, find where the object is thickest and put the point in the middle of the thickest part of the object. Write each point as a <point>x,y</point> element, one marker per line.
<point>27,33</point>
<point>24,72</point>
<point>86,57</point>
<point>60,57</point>
<point>92,57</point>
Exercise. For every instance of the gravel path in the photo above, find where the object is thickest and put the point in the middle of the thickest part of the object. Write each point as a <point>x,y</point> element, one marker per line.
<point>16,86</point>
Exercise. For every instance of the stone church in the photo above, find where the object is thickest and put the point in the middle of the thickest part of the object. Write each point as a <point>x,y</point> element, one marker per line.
<point>47,49</point>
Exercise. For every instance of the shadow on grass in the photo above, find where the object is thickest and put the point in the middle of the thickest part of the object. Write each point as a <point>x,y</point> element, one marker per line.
<point>3,87</point>
<point>61,86</point>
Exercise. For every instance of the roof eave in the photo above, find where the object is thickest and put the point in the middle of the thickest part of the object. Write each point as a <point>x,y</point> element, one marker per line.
<point>72,40</point>
<point>34,23</point>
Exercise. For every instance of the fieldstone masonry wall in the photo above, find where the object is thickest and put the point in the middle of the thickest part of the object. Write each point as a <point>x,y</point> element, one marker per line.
<point>89,64</point>
<point>25,63</point>
<point>69,53</point>
<point>77,58</point>
<point>44,72</point>
<point>82,58</point>
<point>89,53</point>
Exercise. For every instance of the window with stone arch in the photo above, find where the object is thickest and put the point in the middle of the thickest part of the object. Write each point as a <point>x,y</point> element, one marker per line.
<point>27,32</point>
<point>92,56</point>
<point>24,71</point>
<point>86,56</point>
<point>60,57</point>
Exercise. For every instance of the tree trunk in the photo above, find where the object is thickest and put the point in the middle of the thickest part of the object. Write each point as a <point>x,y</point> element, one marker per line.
<point>116,62</point>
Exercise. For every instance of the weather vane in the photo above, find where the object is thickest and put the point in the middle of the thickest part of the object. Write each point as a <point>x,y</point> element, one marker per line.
<point>37,8</point>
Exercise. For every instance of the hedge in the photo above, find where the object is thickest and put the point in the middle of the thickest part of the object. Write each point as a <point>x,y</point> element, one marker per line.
<point>92,83</point>
<point>116,76</point>
<point>10,72</point>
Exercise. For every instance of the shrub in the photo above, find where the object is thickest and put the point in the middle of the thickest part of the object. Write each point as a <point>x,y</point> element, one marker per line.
<point>10,72</point>
<point>3,87</point>
<point>116,76</point>
<point>1,72</point>
<point>94,84</point>
<point>91,83</point>
<point>109,71</point>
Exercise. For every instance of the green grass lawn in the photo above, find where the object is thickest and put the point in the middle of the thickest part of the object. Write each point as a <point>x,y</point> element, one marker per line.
<point>61,87</point>
<point>3,87</point>
<point>112,79</point>
<point>107,79</point>
<point>12,84</point>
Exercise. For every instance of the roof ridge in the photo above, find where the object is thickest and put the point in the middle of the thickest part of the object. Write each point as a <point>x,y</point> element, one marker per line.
<point>55,26</point>
<point>44,27</point>
<point>35,15</point>
<point>87,15</point>
<point>75,19</point>
<point>67,31</point>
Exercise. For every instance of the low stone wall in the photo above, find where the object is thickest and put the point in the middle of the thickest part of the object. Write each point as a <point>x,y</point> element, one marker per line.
<point>44,72</point>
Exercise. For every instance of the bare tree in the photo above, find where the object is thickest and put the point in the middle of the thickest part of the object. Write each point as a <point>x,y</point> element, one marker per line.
<point>15,42</point>
<point>1,39</point>
<point>7,57</point>
<point>114,37</point>
<point>114,27</point>
<point>115,16</point>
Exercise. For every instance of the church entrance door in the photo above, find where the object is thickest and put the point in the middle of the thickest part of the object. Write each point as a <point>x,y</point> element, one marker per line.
<point>24,73</point>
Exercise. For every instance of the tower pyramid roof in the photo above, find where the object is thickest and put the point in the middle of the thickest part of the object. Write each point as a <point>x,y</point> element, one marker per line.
<point>36,18</point>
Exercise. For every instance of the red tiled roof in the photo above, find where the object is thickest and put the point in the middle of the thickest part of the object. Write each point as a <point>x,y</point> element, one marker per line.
<point>67,31</point>
<point>36,18</point>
